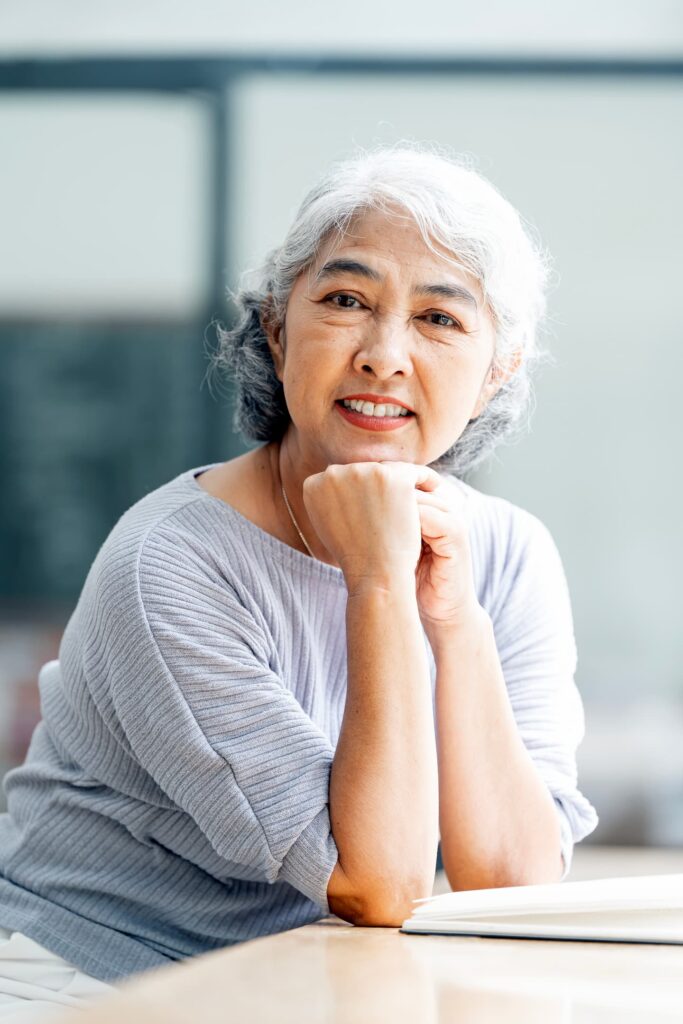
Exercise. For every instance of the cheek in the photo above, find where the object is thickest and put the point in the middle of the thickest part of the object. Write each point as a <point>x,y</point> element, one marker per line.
<point>321,355</point>
<point>308,375</point>
<point>453,385</point>
<point>312,373</point>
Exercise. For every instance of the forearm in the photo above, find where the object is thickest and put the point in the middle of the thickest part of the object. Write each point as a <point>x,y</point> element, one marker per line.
<point>384,781</point>
<point>498,821</point>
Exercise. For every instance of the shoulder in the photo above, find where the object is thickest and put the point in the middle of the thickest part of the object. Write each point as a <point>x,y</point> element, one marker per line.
<point>182,546</point>
<point>172,563</point>
<point>167,509</point>
<point>175,532</point>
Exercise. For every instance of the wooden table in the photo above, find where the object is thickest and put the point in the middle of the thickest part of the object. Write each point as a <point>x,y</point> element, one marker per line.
<point>333,973</point>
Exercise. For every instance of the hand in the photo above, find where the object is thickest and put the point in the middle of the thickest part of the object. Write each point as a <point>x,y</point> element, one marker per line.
<point>366,516</point>
<point>443,578</point>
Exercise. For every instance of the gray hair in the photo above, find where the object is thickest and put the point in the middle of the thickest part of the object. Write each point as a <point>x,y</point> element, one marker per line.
<point>454,208</point>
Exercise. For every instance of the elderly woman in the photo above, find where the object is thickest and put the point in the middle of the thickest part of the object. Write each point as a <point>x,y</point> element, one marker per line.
<point>289,675</point>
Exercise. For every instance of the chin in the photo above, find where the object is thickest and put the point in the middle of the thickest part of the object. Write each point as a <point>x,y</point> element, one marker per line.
<point>375,453</point>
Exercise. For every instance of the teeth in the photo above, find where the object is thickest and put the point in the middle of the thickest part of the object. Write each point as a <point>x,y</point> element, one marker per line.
<point>369,409</point>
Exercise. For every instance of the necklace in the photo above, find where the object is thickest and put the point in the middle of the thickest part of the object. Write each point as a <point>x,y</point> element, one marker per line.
<point>291,514</point>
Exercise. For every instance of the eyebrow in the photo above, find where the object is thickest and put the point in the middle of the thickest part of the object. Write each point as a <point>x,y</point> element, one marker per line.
<point>447,291</point>
<point>439,291</point>
<point>340,266</point>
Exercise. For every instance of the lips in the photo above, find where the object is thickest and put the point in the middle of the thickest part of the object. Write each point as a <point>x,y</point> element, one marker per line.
<point>373,423</point>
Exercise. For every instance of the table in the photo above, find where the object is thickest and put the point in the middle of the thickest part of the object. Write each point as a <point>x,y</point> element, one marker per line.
<point>333,973</point>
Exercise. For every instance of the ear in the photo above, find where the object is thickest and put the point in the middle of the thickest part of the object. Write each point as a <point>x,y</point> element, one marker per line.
<point>274,332</point>
<point>495,378</point>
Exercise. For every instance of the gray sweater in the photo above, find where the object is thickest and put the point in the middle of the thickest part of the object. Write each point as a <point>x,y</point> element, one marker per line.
<point>174,798</point>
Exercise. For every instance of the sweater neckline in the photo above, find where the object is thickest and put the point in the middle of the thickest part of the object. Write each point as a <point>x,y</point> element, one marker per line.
<point>284,551</point>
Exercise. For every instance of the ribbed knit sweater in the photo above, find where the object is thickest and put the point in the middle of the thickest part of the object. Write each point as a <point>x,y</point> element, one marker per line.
<point>174,798</point>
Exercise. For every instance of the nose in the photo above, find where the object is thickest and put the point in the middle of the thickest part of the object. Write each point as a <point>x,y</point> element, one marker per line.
<point>385,349</point>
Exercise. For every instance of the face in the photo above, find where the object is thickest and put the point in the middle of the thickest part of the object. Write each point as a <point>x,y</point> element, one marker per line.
<point>380,314</point>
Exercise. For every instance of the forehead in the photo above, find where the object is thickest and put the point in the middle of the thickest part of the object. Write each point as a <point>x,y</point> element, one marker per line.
<point>391,241</point>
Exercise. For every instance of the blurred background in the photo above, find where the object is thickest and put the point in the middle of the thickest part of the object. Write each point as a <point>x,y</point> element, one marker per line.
<point>151,151</point>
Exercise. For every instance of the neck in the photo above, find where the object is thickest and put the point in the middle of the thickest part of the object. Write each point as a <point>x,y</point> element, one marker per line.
<point>289,470</point>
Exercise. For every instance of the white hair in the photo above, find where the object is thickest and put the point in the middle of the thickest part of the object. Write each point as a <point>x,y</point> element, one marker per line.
<point>456,210</point>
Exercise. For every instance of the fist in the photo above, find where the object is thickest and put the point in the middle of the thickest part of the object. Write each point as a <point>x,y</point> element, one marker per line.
<point>366,516</point>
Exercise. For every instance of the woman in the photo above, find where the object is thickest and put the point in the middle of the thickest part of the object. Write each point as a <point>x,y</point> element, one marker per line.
<point>290,674</point>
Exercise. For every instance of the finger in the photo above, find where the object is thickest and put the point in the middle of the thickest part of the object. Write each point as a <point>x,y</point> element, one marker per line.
<point>434,499</point>
<point>422,477</point>
<point>447,501</point>
<point>437,531</point>
<point>442,529</point>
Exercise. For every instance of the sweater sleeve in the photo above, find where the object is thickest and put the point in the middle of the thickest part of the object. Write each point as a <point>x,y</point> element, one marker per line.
<point>534,632</point>
<point>217,729</point>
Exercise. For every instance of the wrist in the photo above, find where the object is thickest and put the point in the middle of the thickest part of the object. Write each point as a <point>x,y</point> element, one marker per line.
<point>395,582</point>
<point>472,621</point>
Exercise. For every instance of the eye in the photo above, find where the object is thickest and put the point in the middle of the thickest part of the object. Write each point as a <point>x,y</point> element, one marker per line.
<point>343,301</point>
<point>443,320</point>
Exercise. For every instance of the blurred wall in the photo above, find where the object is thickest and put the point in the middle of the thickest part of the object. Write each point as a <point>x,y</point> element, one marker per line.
<point>102,205</point>
<point>432,27</point>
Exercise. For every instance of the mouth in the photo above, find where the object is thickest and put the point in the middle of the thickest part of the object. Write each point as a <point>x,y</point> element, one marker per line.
<point>372,422</point>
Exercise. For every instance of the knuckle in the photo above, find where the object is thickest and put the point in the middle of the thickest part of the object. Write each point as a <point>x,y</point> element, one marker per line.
<point>381,471</point>
<point>312,483</point>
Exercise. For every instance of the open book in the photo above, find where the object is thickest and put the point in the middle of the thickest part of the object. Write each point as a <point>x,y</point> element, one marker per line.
<point>645,908</point>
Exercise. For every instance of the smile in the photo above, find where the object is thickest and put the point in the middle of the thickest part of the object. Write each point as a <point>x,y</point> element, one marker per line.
<point>372,422</point>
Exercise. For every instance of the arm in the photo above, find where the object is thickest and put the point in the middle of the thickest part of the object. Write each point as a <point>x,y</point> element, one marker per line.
<point>499,825</point>
<point>383,787</point>
<point>383,795</point>
<point>506,702</point>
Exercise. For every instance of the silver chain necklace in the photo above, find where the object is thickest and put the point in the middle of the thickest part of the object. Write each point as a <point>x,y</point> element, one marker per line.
<point>296,525</point>
<point>291,514</point>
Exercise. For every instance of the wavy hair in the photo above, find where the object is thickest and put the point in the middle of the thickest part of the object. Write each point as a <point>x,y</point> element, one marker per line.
<point>456,209</point>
